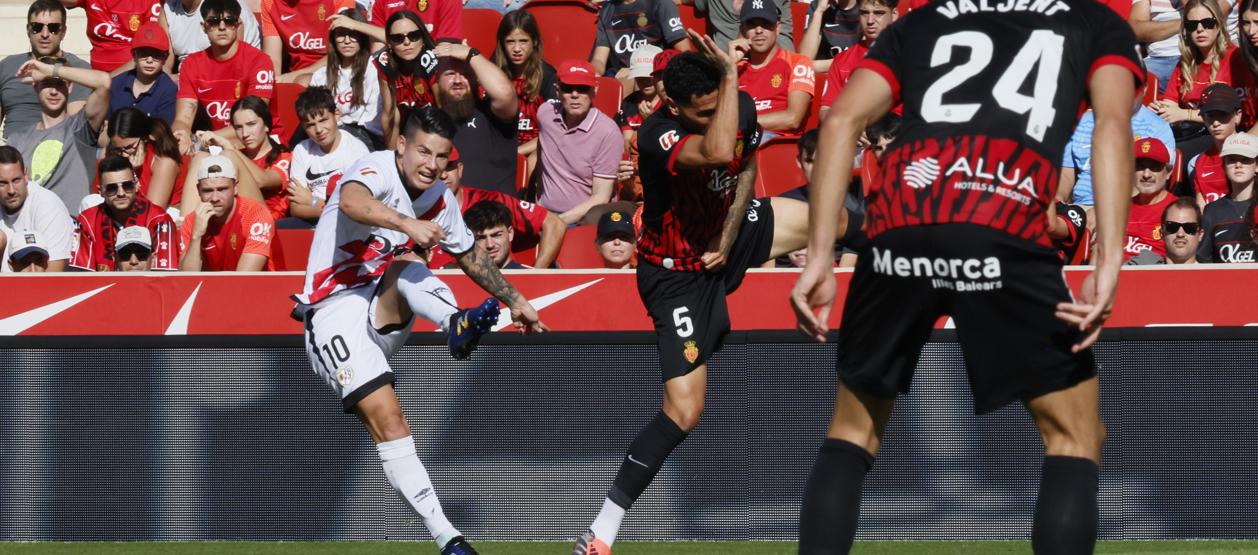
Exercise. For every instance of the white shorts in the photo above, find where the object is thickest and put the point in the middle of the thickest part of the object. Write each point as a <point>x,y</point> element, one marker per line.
<point>345,347</point>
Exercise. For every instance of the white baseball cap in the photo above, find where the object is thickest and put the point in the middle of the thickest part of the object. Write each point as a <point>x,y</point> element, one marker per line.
<point>642,61</point>
<point>90,201</point>
<point>1241,144</point>
<point>134,235</point>
<point>25,244</point>
<point>216,166</point>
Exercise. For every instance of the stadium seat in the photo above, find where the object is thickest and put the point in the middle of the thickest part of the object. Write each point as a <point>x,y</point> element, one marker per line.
<point>294,249</point>
<point>799,16</point>
<point>609,94</point>
<point>521,173</point>
<point>692,18</point>
<point>1150,89</point>
<point>578,248</point>
<point>526,257</point>
<point>777,170</point>
<point>481,26</point>
<point>284,108</point>
<point>1177,173</point>
<point>568,28</point>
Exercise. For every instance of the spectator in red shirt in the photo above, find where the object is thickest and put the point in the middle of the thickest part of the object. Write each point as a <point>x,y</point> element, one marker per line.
<point>1182,231</point>
<point>490,223</point>
<point>1243,63</point>
<point>1221,112</point>
<point>153,151</point>
<point>1149,198</point>
<point>98,227</point>
<point>260,161</point>
<point>616,240</point>
<point>519,55</point>
<point>211,80</point>
<point>111,24</point>
<point>134,249</point>
<point>780,82</point>
<point>226,231</point>
<point>406,70</point>
<point>443,19</point>
<point>875,15</point>
<point>1204,47</point>
<point>295,35</point>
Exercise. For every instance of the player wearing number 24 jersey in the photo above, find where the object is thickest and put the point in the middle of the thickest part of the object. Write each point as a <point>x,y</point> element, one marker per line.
<point>958,225</point>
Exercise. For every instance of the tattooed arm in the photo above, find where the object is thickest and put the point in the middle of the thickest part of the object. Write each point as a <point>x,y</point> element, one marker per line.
<point>479,266</point>
<point>714,258</point>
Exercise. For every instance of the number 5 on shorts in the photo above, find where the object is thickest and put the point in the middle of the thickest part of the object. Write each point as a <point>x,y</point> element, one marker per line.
<point>684,326</point>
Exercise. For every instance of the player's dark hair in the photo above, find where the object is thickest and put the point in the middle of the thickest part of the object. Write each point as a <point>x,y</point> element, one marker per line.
<point>884,3</point>
<point>522,20</point>
<point>131,123</point>
<point>357,65</point>
<point>46,6</point>
<point>11,155</point>
<point>1248,51</point>
<point>314,101</point>
<point>219,8</point>
<point>887,126</point>
<point>431,120</point>
<point>689,75</point>
<point>398,63</point>
<point>808,142</point>
<point>112,163</point>
<point>259,107</point>
<point>487,215</point>
<point>1185,203</point>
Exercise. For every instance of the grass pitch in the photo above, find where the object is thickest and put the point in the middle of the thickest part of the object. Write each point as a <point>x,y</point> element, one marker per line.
<point>622,548</point>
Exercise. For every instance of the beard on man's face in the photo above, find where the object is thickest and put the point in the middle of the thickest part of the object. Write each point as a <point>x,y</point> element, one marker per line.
<point>459,107</point>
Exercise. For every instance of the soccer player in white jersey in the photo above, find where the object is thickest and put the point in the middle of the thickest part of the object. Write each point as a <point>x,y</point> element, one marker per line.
<point>361,298</point>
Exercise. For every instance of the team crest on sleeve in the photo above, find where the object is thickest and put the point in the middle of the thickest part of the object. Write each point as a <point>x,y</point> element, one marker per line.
<point>669,140</point>
<point>690,350</point>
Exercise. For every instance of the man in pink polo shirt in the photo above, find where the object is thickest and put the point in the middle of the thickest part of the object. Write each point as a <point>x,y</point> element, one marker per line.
<point>579,146</point>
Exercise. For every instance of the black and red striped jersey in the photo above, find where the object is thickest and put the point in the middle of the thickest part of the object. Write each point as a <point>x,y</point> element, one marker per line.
<point>991,90</point>
<point>411,89</point>
<point>684,208</point>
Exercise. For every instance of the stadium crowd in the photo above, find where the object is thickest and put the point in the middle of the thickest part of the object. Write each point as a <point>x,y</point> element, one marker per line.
<point>197,134</point>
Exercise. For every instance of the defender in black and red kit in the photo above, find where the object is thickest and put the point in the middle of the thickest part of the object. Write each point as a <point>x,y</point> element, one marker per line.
<point>958,223</point>
<point>701,231</point>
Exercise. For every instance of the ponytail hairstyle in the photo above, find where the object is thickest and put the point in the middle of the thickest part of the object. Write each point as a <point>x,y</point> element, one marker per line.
<point>358,64</point>
<point>259,107</point>
<point>532,70</point>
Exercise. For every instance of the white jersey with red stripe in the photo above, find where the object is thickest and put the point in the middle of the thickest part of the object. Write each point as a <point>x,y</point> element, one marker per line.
<point>346,254</point>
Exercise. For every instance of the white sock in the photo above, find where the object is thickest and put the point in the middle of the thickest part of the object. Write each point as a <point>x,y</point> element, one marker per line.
<point>607,523</point>
<point>427,296</point>
<point>410,481</point>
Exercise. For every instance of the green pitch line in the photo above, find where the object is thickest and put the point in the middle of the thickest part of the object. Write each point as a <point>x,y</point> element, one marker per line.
<point>622,548</point>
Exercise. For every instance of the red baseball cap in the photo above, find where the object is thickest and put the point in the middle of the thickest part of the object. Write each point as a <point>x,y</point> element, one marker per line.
<point>576,72</point>
<point>1153,149</point>
<point>150,35</point>
<point>454,155</point>
<point>661,59</point>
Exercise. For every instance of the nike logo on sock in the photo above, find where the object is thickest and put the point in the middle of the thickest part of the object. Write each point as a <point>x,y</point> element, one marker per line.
<point>637,462</point>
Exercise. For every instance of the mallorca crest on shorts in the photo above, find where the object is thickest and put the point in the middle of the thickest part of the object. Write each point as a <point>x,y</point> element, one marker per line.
<point>690,350</point>
<point>776,80</point>
<point>134,22</point>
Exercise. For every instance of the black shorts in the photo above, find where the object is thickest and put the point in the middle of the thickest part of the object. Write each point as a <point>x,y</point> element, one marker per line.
<point>1001,292</point>
<point>688,308</point>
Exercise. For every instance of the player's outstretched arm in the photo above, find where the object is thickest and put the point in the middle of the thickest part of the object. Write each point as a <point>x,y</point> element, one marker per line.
<point>865,98</point>
<point>479,266</point>
<point>1111,90</point>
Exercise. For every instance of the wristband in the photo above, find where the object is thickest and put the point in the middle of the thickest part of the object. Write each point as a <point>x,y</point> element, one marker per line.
<point>56,70</point>
<point>314,203</point>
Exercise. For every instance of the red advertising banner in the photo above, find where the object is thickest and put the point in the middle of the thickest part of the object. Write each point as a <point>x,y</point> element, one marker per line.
<point>110,304</point>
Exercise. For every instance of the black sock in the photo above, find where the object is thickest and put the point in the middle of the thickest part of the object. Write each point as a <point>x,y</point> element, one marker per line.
<point>832,498</point>
<point>645,457</point>
<point>1066,515</point>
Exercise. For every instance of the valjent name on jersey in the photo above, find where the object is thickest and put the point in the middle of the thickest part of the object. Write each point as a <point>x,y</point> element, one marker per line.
<point>952,8</point>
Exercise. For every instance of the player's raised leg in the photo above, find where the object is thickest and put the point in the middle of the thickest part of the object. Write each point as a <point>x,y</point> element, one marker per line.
<point>410,289</point>
<point>1066,513</point>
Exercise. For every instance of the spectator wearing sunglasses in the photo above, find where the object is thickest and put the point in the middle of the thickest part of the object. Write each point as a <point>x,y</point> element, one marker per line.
<point>184,25</point>
<point>1204,48</point>
<point>134,249</point>
<point>111,26</point>
<point>1181,231</point>
<point>60,150</point>
<point>1227,222</point>
<point>19,104</point>
<point>580,147</point>
<point>31,215</point>
<point>144,86</point>
<point>212,80</point>
<point>1150,198</point>
<point>100,227</point>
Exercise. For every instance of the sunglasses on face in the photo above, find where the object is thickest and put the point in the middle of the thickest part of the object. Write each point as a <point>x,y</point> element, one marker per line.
<point>569,89</point>
<point>399,38</point>
<point>128,252</point>
<point>1208,23</point>
<point>111,189</point>
<point>37,27</point>
<point>1172,228</point>
<point>228,20</point>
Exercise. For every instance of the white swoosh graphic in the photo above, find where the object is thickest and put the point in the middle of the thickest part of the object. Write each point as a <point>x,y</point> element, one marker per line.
<point>504,318</point>
<point>179,326</point>
<point>19,323</point>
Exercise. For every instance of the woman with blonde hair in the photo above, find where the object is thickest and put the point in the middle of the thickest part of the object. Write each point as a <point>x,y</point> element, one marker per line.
<point>1204,48</point>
